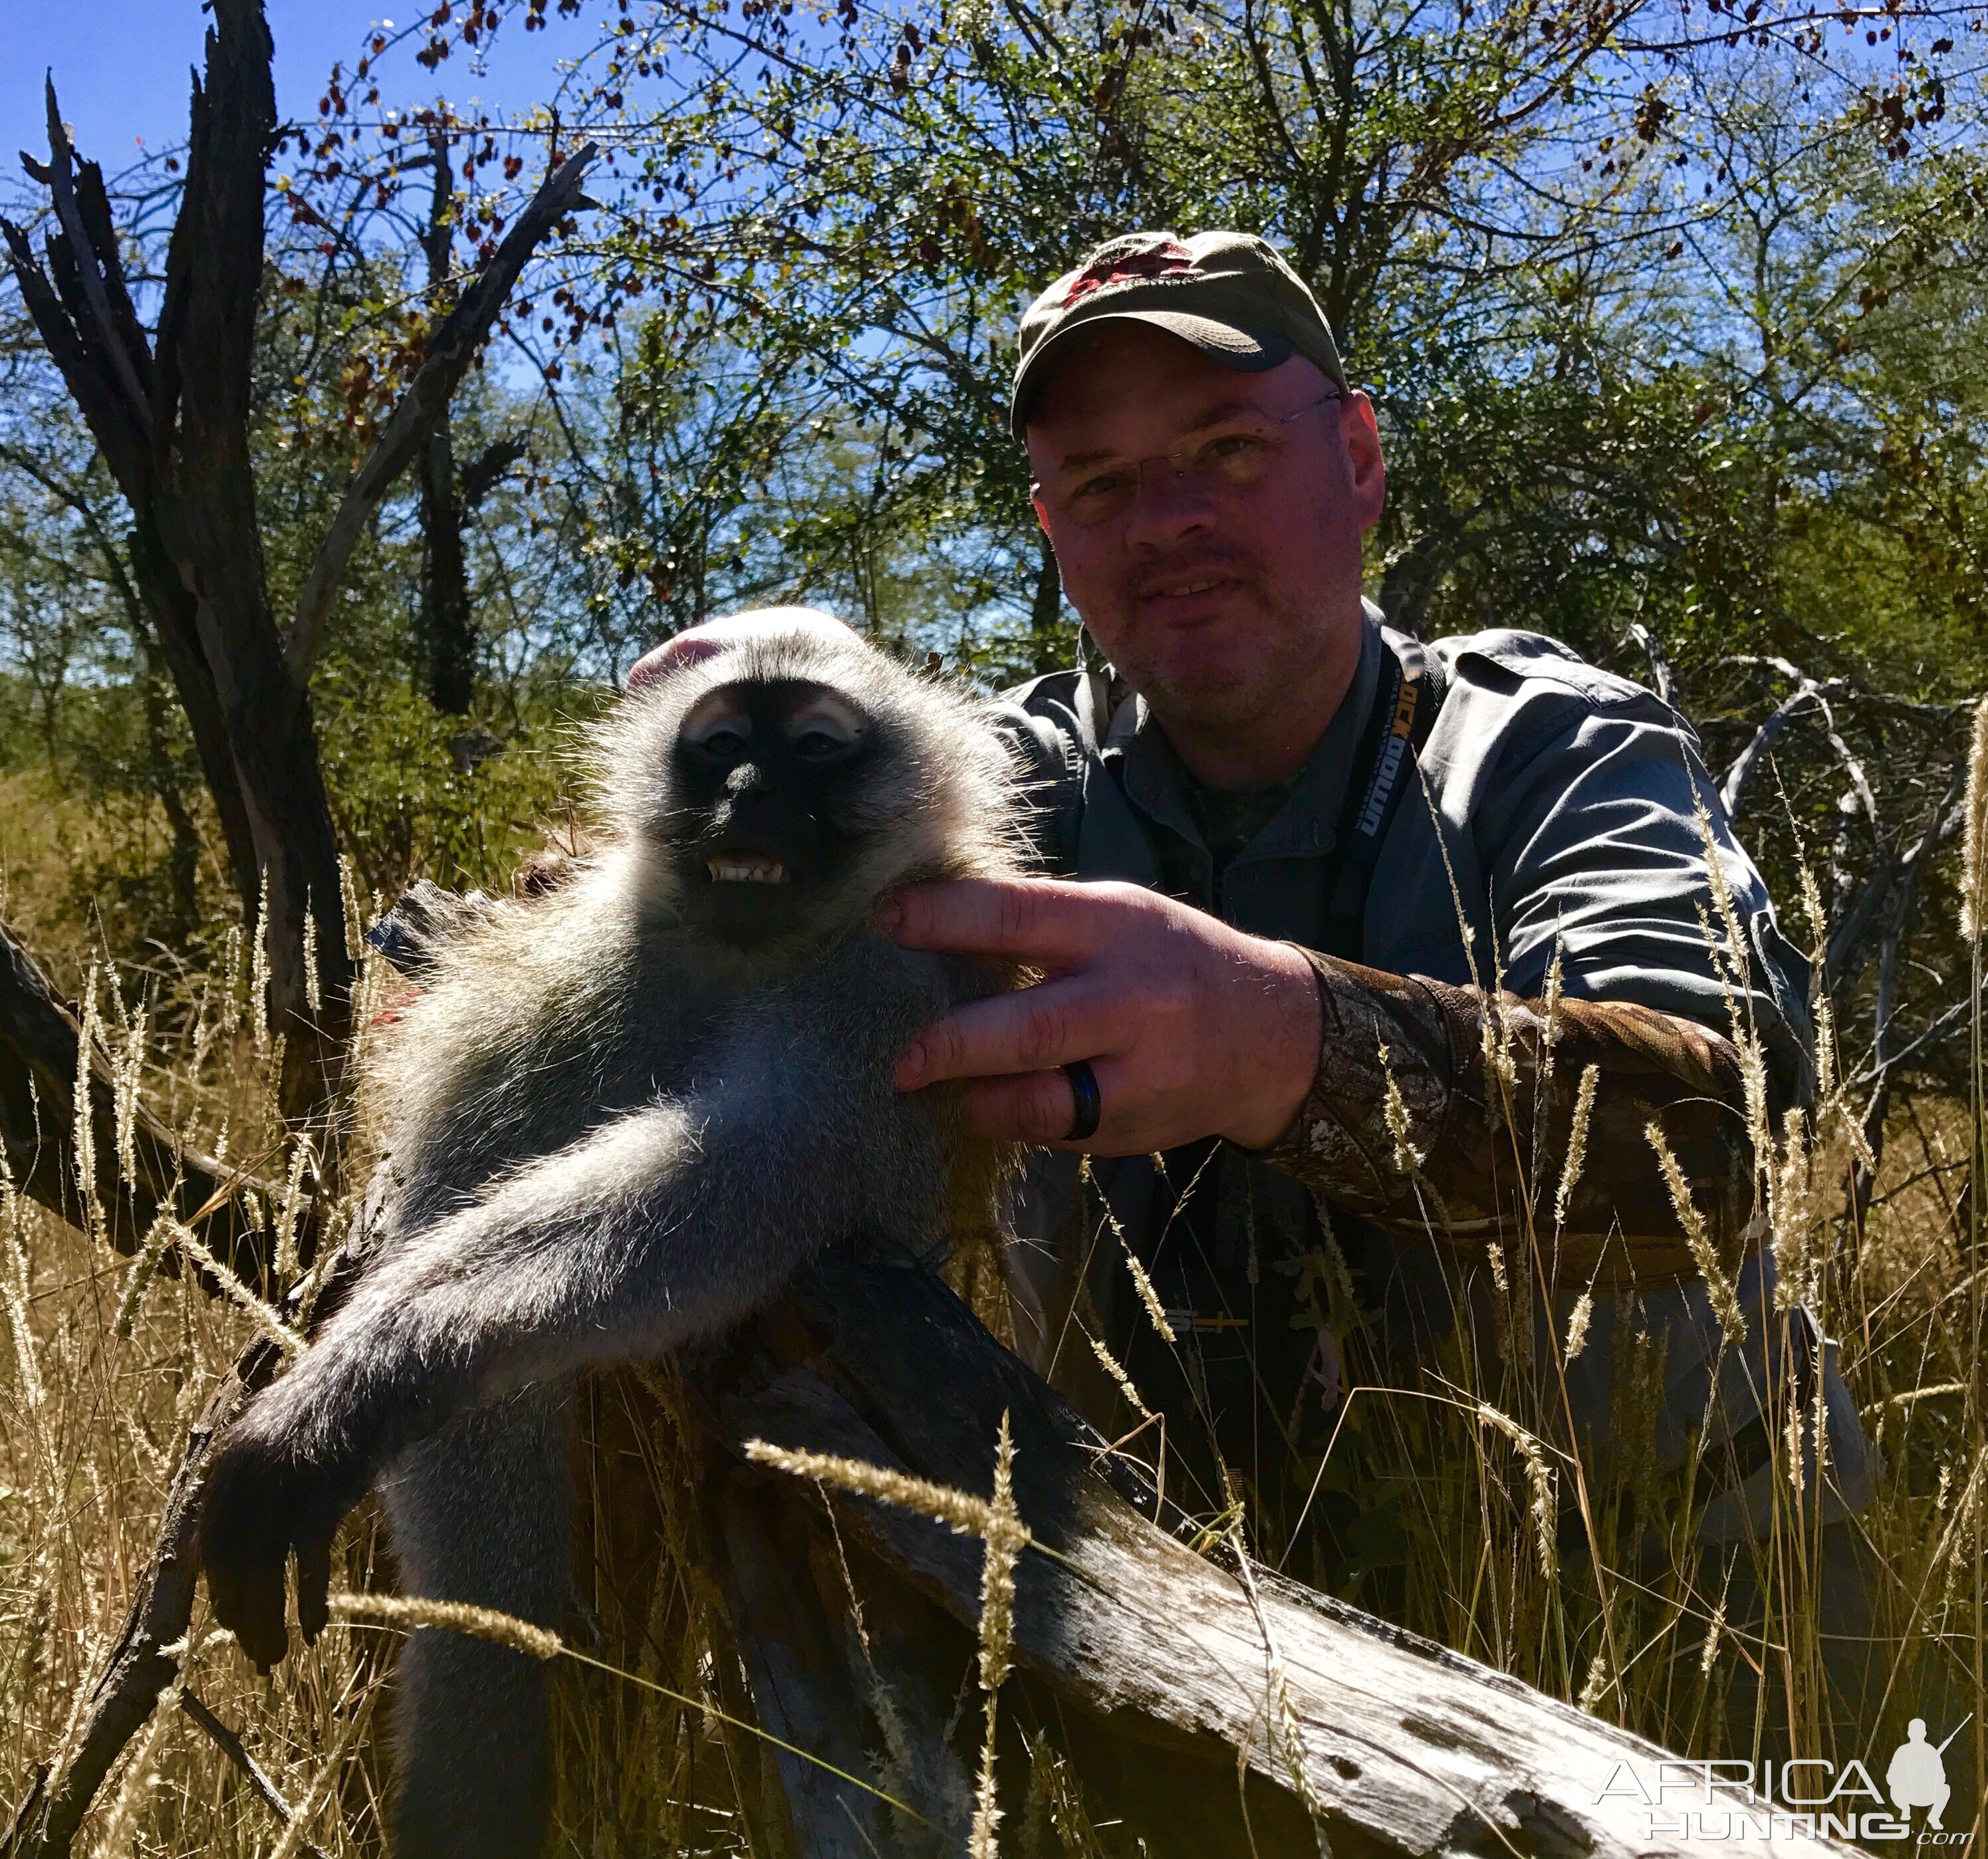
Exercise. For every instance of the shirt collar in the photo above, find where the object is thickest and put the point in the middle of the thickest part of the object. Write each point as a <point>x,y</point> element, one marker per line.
<point>1308,824</point>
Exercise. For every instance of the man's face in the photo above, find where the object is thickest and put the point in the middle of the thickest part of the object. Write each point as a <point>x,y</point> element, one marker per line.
<point>1228,595</point>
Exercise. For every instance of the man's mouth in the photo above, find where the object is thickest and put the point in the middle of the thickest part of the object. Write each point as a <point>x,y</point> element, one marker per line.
<point>1185,584</point>
<point>746,868</point>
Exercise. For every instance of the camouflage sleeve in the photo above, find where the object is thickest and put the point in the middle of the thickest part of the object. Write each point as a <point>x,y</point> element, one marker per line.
<point>1438,1112</point>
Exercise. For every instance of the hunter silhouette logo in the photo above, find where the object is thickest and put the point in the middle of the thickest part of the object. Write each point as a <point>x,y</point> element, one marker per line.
<point>1917,1777</point>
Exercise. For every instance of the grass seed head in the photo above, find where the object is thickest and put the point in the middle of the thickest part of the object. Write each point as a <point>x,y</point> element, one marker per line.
<point>1974,838</point>
<point>1704,1255</point>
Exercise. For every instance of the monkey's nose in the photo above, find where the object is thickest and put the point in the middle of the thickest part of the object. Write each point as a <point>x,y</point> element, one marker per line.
<point>744,779</point>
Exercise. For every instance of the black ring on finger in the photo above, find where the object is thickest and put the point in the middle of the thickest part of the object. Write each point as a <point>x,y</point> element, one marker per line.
<point>1089,1101</point>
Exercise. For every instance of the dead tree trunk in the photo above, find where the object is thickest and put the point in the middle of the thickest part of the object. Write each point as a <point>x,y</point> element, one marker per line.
<point>170,413</point>
<point>171,417</point>
<point>450,495</point>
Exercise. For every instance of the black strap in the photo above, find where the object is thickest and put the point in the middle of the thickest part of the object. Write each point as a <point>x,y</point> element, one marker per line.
<point>1412,688</point>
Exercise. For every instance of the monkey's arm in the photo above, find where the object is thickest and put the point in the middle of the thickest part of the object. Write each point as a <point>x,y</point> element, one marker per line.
<point>658,1227</point>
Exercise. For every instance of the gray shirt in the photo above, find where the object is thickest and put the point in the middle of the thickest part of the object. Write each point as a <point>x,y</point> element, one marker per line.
<point>1560,809</point>
<point>1567,799</point>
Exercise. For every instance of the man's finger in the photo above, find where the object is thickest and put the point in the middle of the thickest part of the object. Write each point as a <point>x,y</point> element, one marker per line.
<point>1041,1107</point>
<point>1037,1108</point>
<point>1043,921</point>
<point>1031,1030</point>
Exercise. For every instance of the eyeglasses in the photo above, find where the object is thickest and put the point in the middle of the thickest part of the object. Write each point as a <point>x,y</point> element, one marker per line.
<point>1232,462</point>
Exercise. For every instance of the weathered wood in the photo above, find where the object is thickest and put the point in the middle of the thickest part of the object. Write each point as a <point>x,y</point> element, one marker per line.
<point>1409,1748</point>
<point>39,1041</point>
<point>801,1691</point>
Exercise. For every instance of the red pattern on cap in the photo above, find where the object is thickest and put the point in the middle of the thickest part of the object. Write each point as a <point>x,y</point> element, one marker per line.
<point>1129,268</point>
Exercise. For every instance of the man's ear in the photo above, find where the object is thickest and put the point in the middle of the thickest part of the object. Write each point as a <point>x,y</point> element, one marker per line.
<point>1361,435</point>
<point>1042,513</point>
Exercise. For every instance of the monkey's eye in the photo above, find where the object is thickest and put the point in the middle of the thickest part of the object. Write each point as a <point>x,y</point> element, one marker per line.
<point>824,730</point>
<point>725,745</point>
<point>718,731</point>
<point>819,745</point>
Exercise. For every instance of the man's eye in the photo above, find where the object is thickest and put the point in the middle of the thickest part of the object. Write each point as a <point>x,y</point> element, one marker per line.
<point>1235,445</point>
<point>1104,485</point>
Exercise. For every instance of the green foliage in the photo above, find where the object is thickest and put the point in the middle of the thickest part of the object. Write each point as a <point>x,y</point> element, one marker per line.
<point>415,794</point>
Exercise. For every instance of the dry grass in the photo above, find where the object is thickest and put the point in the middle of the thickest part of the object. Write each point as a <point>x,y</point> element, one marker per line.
<point>1495,1529</point>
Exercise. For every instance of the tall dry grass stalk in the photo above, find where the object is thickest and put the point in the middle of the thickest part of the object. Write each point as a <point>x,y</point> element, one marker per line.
<point>1442,1501</point>
<point>411,1611</point>
<point>1134,1266</point>
<point>1725,1298</point>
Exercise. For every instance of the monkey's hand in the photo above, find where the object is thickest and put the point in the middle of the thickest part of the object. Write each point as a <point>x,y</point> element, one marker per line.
<point>282,1478</point>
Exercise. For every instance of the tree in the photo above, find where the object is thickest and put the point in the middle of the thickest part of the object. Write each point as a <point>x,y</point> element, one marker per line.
<point>170,413</point>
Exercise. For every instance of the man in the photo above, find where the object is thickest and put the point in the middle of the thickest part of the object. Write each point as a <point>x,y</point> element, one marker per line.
<point>1309,854</point>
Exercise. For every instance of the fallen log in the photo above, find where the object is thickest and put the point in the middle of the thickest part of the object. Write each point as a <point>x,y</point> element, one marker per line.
<point>1169,1681</point>
<point>1200,1717</point>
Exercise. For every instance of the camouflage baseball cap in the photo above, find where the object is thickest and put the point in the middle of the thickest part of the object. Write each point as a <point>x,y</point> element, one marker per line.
<point>1228,293</point>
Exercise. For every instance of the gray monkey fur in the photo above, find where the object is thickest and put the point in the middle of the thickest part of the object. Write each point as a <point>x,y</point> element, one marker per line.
<point>609,1133</point>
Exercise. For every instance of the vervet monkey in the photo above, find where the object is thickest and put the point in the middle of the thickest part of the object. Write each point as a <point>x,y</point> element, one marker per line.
<point>618,1116</point>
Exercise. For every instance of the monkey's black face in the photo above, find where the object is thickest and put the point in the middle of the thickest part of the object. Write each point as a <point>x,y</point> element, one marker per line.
<point>771,778</point>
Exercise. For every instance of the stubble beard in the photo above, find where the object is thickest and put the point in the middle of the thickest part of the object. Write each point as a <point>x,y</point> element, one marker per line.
<point>1245,701</point>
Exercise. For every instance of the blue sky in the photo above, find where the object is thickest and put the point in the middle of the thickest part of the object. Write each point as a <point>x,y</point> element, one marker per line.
<point>121,65</point>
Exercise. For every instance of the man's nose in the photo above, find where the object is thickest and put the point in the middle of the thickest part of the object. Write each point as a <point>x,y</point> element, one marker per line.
<point>1170,503</point>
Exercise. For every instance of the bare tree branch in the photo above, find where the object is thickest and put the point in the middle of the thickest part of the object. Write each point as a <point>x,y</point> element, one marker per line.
<point>1660,664</point>
<point>450,349</point>
<point>230,1744</point>
<point>141,1667</point>
<point>1809,693</point>
<point>131,362</point>
<point>44,1825</point>
<point>483,472</point>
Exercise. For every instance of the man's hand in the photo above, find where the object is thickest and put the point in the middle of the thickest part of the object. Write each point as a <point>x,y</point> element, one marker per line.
<point>1192,1029</point>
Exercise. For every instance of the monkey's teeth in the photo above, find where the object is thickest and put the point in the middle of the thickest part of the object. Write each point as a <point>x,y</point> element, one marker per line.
<point>748,871</point>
